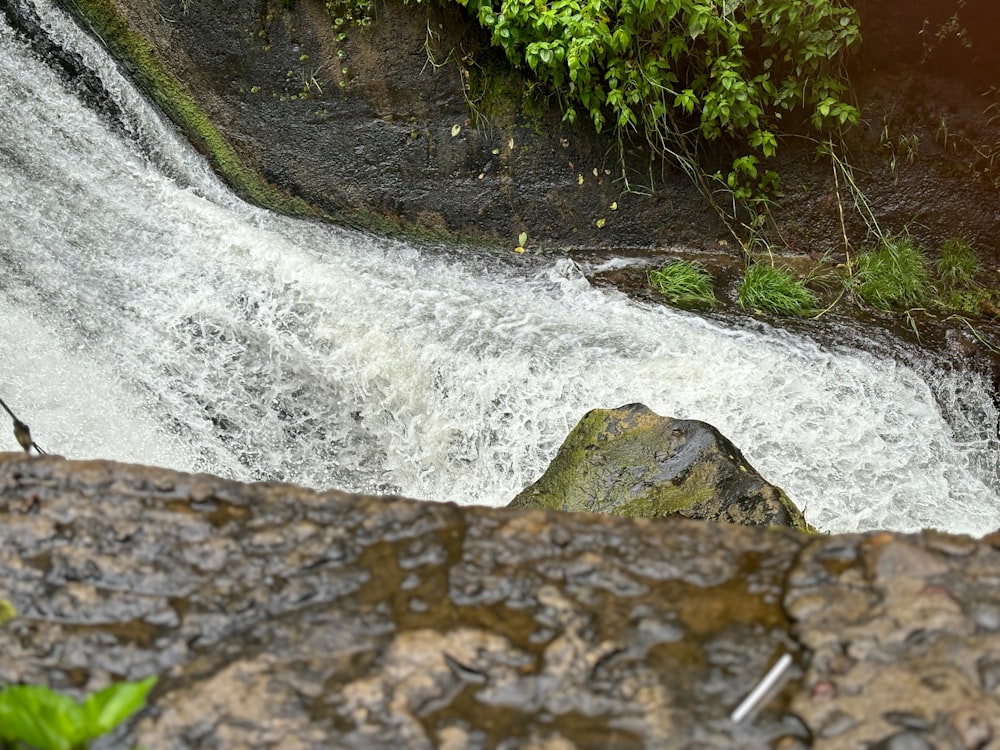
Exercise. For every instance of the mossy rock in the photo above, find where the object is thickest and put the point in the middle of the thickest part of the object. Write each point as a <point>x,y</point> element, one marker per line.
<point>632,462</point>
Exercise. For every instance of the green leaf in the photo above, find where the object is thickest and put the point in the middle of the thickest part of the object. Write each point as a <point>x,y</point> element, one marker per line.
<point>7,612</point>
<point>696,24</point>
<point>686,100</point>
<point>108,708</point>
<point>38,717</point>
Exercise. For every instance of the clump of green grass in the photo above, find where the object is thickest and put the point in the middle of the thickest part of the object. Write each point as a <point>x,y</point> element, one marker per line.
<point>775,290</point>
<point>894,274</point>
<point>683,282</point>
<point>958,266</point>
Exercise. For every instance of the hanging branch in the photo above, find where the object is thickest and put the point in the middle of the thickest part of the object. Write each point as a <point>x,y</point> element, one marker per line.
<point>22,432</point>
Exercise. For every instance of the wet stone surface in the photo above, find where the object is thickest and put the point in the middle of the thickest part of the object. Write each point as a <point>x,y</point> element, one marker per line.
<point>904,641</point>
<point>279,617</point>
<point>673,466</point>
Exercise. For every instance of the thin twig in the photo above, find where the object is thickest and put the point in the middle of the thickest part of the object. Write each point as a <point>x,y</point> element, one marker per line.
<point>840,211</point>
<point>21,431</point>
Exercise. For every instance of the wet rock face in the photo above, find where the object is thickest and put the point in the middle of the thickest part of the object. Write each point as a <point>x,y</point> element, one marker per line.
<point>363,128</point>
<point>280,617</point>
<point>413,121</point>
<point>632,462</point>
<point>905,641</point>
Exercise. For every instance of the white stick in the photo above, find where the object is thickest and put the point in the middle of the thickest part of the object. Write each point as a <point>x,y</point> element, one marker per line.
<point>750,702</point>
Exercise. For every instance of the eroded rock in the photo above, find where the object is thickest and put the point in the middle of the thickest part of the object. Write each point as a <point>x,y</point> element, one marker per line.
<point>280,617</point>
<point>632,462</point>
<point>898,640</point>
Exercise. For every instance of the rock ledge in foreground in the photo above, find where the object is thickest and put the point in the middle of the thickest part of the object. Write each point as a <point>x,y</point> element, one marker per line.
<point>275,616</point>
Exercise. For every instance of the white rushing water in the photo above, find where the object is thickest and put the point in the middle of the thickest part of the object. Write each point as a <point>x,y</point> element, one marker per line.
<point>148,315</point>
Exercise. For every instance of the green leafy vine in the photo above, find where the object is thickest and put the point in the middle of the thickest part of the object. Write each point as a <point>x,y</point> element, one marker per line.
<point>679,72</point>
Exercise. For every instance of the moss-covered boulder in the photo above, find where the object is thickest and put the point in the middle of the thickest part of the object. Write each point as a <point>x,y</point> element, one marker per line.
<point>630,461</point>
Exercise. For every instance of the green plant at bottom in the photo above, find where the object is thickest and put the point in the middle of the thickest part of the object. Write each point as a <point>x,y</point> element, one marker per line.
<point>683,282</point>
<point>775,290</point>
<point>7,612</point>
<point>35,717</point>
<point>893,274</point>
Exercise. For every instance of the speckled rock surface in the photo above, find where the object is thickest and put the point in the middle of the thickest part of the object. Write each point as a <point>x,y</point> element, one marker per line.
<point>280,617</point>
<point>904,637</point>
<point>632,462</point>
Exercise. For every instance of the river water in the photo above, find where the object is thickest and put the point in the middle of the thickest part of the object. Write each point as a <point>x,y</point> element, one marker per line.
<point>148,315</point>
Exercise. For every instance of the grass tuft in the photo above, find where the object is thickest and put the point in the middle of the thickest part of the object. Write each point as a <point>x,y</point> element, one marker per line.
<point>958,265</point>
<point>775,290</point>
<point>683,282</point>
<point>894,274</point>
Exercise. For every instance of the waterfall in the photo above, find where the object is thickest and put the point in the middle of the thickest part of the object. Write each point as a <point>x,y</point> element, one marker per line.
<point>149,315</point>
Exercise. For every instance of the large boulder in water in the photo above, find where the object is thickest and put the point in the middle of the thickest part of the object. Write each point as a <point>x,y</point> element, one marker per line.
<point>632,462</point>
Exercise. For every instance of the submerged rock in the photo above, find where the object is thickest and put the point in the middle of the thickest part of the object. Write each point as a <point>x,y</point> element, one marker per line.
<point>632,462</point>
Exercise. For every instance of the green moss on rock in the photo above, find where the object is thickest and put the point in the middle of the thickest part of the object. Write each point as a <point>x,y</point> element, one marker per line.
<point>632,462</point>
<point>147,67</point>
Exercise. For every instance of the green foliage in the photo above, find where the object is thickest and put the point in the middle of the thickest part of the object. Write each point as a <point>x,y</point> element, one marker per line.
<point>957,286</point>
<point>683,282</point>
<point>958,265</point>
<point>662,67</point>
<point>7,612</point>
<point>775,290</point>
<point>978,301</point>
<point>32,716</point>
<point>894,274</point>
<point>349,13</point>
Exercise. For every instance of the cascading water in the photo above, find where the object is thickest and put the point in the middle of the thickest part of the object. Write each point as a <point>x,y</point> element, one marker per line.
<point>148,315</point>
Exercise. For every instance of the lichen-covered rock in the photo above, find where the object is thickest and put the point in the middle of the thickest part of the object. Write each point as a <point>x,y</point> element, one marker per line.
<point>632,462</point>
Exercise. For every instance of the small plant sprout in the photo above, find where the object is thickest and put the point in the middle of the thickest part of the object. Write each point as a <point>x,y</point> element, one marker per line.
<point>522,240</point>
<point>774,290</point>
<point>34,716</point>
<point>683,282</point>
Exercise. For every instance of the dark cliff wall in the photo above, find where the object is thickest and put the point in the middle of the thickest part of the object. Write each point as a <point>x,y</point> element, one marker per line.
<point>364,128</point>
